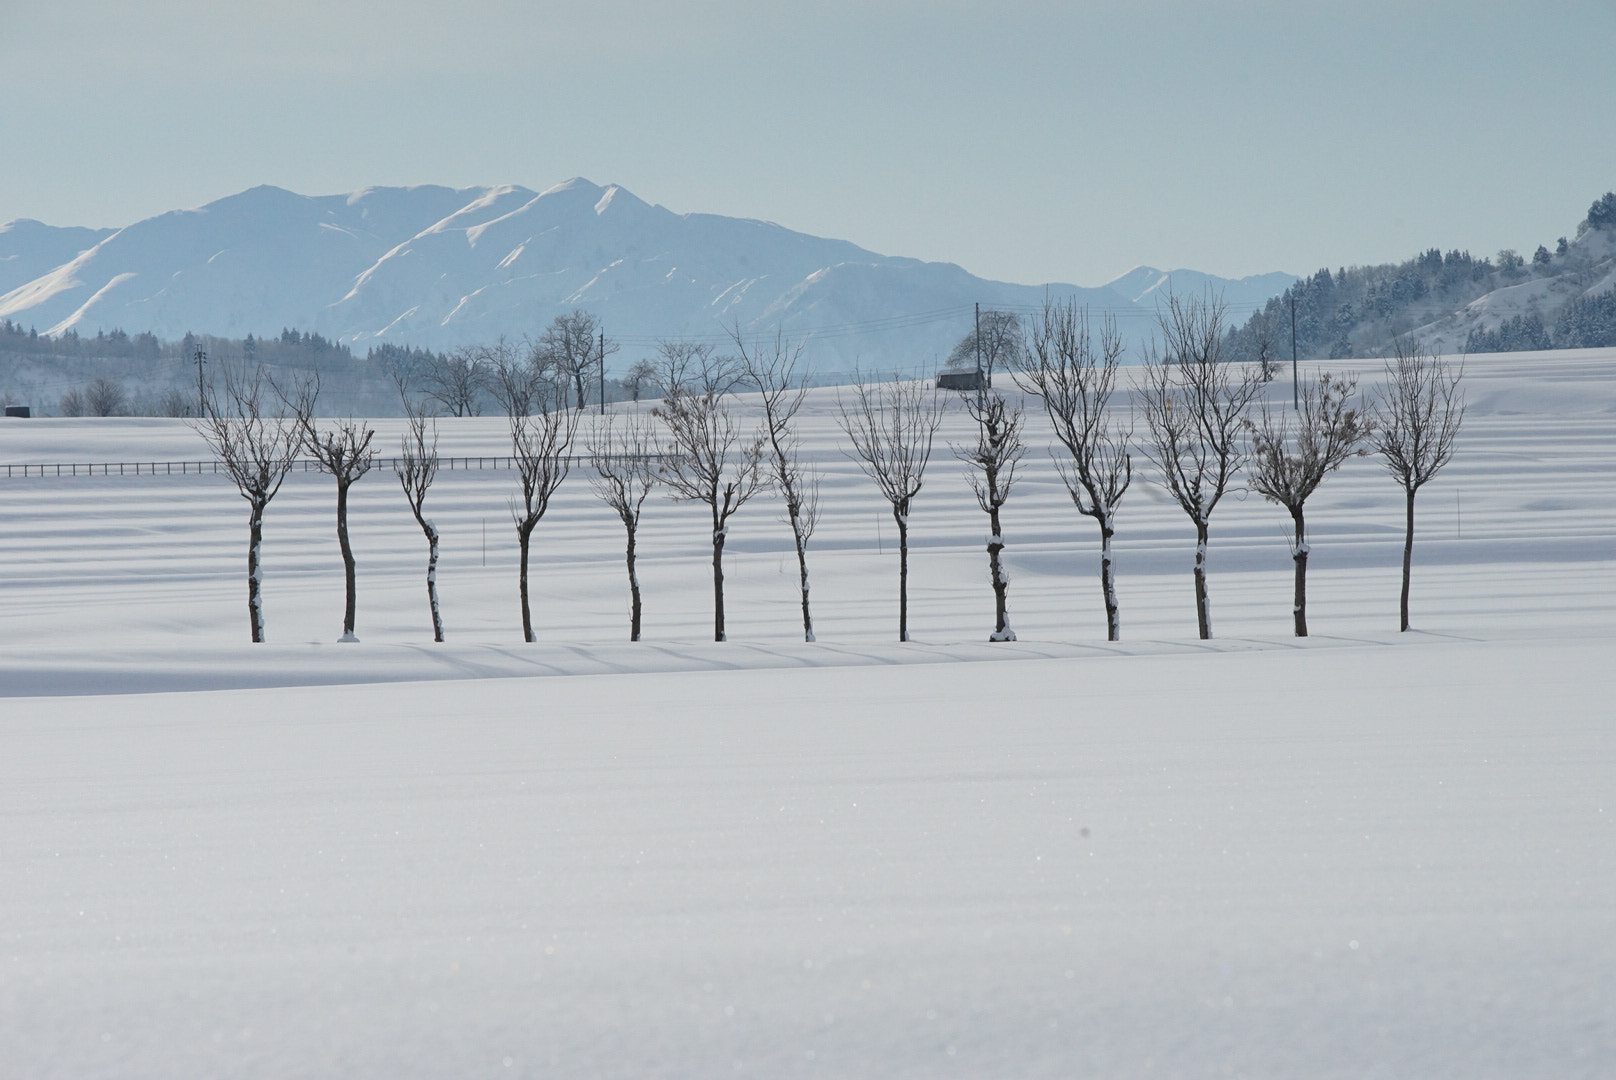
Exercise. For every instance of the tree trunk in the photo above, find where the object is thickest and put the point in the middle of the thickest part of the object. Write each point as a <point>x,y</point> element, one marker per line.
<point>633,591</point>
<point>903,573</point>
<point>1203,603</point>
<point>1108,584</point>
<point>1299,550</point>
<point>718,584</point>
<point>522,538</point>
<point>802,574</point>
<point>1001,583</point>
<point>255,572</point>
<point>1408,562</point>
<point>347,562</point>
<point>432,579</point>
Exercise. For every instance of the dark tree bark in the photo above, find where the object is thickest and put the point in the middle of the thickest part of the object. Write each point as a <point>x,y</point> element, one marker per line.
<point>1299,555</point>
<point>255,570</point>
<point>1203,600</point>
<point>1408,561</point>
<point>349,565</point>
<point>634,592</point>
<point>901,516</point>
<point>719,633</point>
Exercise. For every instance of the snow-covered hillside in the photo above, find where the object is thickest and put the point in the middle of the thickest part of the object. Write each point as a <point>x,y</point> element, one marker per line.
<point>1586,269</point>
<point>437,267</point>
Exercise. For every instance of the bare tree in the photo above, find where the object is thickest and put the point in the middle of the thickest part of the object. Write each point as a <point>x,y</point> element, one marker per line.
<point>991,468</point>
<point>891,427</point>
<point>416,468</point>
<point>623,452</point>
<point>520,387</point>
<point>1421,408</point>
<point>257,450</point>
<point>539,445</point>
<point>457,381</point>
<point>1075,375</point>
<point>1267,362</point>
<point>772,368</point>
<point>638,377</point>
<point>711,464</point>
<point>1195,406</point>
<point>1289,460</point>
<point>696,367</point>
<point>341,450</point>
<point>573,349</point>
<point>106,397</point>
<point>995,342</point>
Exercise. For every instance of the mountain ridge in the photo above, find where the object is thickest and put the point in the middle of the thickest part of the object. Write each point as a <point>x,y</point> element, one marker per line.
<point>435,267</point>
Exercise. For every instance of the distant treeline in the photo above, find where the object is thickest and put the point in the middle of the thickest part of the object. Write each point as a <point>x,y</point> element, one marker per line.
<point>142,374</point>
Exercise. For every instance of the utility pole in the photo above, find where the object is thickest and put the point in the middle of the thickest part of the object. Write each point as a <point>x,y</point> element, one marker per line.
<point>201,393</point>
<point>978,336</point>
<point>1295,391</point>
<point>603,371</point>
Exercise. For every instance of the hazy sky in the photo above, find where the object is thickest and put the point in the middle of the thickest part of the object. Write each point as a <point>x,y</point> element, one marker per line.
<point>1026,141</point>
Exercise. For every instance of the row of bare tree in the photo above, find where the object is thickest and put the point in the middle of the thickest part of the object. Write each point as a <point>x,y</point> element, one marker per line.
<point>1205,427</point>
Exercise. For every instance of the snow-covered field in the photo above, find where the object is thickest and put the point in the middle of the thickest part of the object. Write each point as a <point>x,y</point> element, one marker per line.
<point>1365,855</point>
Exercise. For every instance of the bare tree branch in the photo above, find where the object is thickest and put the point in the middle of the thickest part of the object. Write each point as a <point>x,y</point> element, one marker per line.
<point>1289,460</point>
<point>341,449</point>
<point>416,468</point>
<point>257,450</point>
<point>1195,406</point>
<point>623,452</point>
<point>991,469</point>
<point>1075,376</point>
<point>539,445</point>
<point>891,426</point>
<point>711,464</point>
<point>772,368</point>
<point>1417,420</point>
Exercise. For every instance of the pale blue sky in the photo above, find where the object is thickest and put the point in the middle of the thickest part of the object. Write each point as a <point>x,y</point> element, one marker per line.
<point>1026,141</point>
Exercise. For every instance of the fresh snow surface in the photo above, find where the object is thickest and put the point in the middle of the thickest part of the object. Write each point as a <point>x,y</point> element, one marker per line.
<point>1364,854</point>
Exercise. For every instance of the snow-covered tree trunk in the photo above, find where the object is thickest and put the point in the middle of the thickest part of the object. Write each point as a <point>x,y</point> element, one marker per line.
<point>718,581</point>
<point>1408,562</point>
<point>432,578</point>
<point>348,565</point>
<point>902,518</point>
<point>1203,602</point>
<point>523,537</point>
<point>1299,552</point>
<point>633,591</point>
<point>1001,581</point>
<point>802,573</point>
<point>1108,583</point>
<point>255,571</point>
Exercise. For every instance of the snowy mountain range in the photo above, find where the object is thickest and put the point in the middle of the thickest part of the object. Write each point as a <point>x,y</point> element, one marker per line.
<point>438,267</point>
